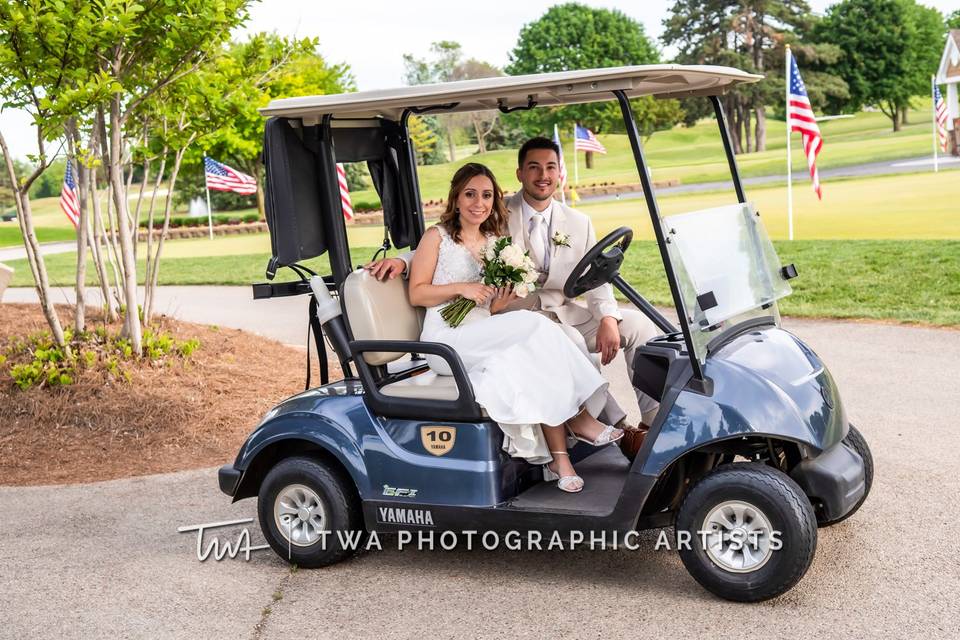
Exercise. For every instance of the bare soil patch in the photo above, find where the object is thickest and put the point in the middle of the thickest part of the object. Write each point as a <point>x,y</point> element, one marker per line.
<point>183,414</point>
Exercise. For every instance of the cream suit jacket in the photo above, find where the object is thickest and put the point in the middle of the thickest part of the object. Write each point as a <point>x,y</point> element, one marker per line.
<point>598,302</point>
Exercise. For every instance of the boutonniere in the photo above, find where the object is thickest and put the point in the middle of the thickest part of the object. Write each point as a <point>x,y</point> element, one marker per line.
<point>561,239</point>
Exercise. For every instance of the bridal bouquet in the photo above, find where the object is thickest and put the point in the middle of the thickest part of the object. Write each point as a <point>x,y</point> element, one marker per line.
<point>504,264</point>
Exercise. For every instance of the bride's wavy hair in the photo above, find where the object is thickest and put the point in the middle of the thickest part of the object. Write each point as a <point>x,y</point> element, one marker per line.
<point>496,224</point>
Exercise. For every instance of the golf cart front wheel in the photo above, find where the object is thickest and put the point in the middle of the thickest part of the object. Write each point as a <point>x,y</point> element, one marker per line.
<point>309,513</point>
<point>746,532</point>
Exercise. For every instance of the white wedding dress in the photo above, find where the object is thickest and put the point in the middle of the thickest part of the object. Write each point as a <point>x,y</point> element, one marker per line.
<point>524,369</point>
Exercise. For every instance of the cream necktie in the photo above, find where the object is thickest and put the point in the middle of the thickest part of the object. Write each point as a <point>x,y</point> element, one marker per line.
<point>538,247</point>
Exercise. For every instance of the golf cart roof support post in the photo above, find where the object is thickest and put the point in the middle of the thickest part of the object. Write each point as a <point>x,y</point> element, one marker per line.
<point>337,242</point>
<point>634,135</point>
<point>728,148</point>
<point>410,160</point>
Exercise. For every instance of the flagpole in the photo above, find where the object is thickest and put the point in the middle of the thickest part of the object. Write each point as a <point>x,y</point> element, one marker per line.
<point>936,142</point>
<point>789,155</point>
<point>576,161</point>
<point>556,134</point>
<point>209,208</point>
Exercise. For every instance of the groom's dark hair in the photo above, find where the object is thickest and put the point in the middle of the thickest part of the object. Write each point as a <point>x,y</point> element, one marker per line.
<point>536,143</point>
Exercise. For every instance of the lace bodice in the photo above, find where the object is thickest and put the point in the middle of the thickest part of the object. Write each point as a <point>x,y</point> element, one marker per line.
<point>455,263</point>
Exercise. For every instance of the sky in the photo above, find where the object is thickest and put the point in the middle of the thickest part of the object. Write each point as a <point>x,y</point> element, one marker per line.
<point>372,35</point>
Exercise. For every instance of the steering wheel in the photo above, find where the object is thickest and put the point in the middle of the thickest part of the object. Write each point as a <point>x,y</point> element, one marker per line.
<point>600,265</point>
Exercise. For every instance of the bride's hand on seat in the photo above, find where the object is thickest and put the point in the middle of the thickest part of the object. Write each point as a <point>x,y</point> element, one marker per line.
<point>502,299</point>
<point>477,291</point>
<point>386,268</point>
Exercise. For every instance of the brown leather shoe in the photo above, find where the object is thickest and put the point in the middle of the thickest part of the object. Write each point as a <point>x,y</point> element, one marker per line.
<point>632,440</point>
<point>626,426</point>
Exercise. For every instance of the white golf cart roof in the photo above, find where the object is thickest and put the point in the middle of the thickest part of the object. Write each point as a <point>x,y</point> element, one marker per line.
<point>545,89</point>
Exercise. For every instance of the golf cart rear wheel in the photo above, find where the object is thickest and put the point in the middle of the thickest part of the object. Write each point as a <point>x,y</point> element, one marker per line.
<point>309,512</point>
<point>752,533</point>
<point>858,443</point>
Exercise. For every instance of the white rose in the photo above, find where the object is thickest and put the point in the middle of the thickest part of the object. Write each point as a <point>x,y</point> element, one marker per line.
<point>512,256</point>
<point>530,276</point>
<point>522,290</point>
<point>491,250</point>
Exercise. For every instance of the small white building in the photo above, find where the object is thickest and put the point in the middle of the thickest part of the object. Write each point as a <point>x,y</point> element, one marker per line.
<point>949,75</point>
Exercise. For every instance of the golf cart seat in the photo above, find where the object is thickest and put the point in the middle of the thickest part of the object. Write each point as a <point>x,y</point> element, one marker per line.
<point>381,311</point>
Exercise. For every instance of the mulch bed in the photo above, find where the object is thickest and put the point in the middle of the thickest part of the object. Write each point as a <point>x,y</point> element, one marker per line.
<point>185,414</point>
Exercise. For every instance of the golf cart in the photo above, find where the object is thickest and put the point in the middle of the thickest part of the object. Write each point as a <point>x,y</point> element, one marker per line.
<point>750,452</point>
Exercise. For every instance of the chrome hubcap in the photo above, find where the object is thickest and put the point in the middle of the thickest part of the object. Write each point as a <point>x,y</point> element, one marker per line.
<point>737,536</point>
<point>299,515</point>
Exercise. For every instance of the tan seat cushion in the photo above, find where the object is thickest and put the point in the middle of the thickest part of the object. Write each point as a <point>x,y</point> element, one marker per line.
<point>428,386</point>
<point>380,311</point>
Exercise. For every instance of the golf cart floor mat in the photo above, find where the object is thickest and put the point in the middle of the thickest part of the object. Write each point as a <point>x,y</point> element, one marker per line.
<point>604,474</point>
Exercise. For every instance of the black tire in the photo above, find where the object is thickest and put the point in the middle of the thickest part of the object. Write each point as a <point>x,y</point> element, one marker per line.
<point>341,512</point>
<point>855,440</point>
<point>779,500</point>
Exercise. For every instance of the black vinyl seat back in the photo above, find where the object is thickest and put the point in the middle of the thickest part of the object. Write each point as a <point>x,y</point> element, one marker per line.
<point>302,195</point>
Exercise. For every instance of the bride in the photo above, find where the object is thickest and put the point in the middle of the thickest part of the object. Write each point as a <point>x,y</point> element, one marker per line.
<point>525,372</point>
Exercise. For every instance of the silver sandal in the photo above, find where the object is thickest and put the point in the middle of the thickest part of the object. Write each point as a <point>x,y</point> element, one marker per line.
<point>609,435</point>
<point>564,483</point>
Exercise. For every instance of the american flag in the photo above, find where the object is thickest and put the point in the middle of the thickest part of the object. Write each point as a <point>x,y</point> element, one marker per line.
<point>220,177</point>
<point>940,109</point>
<point>69,202</point>
<point>345,202</point>
<point>584,140</point>
<point>801,118</point>
<point>563,166</point>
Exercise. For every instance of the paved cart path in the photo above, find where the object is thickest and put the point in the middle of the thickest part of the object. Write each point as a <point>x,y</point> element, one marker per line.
<point>104,559</point>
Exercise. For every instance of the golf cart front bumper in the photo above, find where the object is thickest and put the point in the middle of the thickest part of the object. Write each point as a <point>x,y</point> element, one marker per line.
<point>229,478</point>
<point>835,479</point>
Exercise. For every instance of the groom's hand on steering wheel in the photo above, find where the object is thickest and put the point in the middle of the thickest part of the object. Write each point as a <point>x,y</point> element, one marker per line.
<point>608,339</point>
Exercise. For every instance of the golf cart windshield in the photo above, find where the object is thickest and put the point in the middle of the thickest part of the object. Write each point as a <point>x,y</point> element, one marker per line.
<point>727,270</point>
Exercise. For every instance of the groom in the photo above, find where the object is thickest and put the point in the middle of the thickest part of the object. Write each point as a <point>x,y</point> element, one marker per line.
<point>557,237</point>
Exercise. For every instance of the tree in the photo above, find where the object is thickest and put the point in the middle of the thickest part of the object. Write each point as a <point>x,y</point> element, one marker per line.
<point>50,181</point>
<point>45,55</point>
<point>749,35</point>
<point>446,57</point>
<point>424,138</point>
<point>140,52</point>
<point>889,49</point>
<point>925,51</point>
<point>481,122</point>
<point>250,74</point>
<point>573,36</point>
<point>953,20</point>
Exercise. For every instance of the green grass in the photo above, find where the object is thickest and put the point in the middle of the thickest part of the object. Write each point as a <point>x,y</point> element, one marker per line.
<point>908,281</point>
<point>899,207</point>
<point>10,234</point>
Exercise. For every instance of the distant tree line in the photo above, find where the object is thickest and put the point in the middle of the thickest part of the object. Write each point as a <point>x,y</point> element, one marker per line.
<point>860,53</point>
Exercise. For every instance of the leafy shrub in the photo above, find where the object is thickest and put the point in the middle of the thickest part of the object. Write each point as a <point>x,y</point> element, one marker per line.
<point>196,221</point>
<point>366,205</point>
<point>36,361</point>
